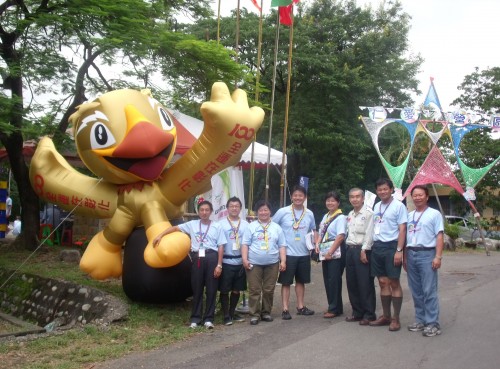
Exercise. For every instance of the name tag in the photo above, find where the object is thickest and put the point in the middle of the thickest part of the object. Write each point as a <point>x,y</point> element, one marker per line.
<point>376,229</point>
<point>263,246</point>
<point>297,236</point>
<point>236,246</point>
<point>201,253</point>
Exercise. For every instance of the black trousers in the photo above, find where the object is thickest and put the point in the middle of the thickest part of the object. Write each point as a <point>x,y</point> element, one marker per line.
<point>202,278</point>
<point>332,277</point>
<point>360,284</point>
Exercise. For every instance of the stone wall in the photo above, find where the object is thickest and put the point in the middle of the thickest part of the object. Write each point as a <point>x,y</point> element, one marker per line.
<point>52,303</point>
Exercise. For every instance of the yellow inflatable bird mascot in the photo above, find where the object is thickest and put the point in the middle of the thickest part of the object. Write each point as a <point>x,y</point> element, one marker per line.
<point>127,139</point>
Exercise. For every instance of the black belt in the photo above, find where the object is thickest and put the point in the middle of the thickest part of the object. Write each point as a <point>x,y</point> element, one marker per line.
<point>207,251</point>
<point>354,246</point>
<point>231,257</point>
<point>420,248</point>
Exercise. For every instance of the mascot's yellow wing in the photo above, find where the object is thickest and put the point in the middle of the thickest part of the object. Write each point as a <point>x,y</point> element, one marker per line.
<point>230,126</point>
<point>55,181</point>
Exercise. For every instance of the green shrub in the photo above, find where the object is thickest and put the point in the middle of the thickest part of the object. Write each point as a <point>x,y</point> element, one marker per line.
<point>452,230</point>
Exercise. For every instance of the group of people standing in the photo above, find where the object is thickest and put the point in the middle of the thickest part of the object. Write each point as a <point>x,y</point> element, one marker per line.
<point>231,253</point>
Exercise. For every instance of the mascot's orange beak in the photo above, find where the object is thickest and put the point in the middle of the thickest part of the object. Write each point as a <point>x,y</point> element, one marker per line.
<point>145,149</point>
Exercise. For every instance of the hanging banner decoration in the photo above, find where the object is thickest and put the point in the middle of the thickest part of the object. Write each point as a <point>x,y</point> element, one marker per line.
<point>460,118</point>
<point>432,101</point>
<point>470,194</point>
<point>472,176</point>
<point>398,194</point>
<point>396,174</point>
<point>495,122</point>
<point>435,169</point>
<point>377,114</point>
<point>225,184</point>
<point>409,115</point>
<point>434,136</point>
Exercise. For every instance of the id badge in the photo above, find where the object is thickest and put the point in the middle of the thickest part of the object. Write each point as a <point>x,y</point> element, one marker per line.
<point>201,253</point>
<point>414,240</point>
<point>263,246</point>
<point>236,246</point>
<point>376,229</point>
<point>297,236</point>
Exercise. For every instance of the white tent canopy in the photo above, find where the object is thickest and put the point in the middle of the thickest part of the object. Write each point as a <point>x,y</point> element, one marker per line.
<point>195,127</point>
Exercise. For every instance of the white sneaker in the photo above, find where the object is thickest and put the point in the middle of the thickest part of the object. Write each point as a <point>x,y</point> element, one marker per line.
<point>209,325</point>
<point>193,326</point>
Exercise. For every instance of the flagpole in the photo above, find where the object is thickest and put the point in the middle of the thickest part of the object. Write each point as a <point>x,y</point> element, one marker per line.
<point>273,88</point>
<point>287,105</point>
<point>257,91</point>
<point>218,22</point>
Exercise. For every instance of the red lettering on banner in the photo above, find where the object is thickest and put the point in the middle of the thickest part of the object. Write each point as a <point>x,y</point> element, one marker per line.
<point>235,148</point>
<point>223,157</point>
<point>75,200</point>
<point>39,182</point>
<point>199,176</point>
<point>242,132</point>
<point>102,205</point>
<point>212,168</point>
<point>184,184</point>
<point>63,199</point>
<point>89,203</point>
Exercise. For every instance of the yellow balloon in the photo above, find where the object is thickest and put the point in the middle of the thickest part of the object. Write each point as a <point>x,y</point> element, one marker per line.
<point>127,139</point>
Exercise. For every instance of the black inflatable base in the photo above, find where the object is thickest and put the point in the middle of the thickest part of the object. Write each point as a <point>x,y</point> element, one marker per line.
<point>142,283</point>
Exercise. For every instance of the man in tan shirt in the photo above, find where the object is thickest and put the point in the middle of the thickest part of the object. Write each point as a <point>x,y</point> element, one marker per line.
<point>359,242</point>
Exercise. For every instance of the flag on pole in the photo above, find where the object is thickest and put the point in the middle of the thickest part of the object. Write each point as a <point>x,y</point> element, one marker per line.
<point>286,11</point>
<point>256,5</point>
<point>275,3</point>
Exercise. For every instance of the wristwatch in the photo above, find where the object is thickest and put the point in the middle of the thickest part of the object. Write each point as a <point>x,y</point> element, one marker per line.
<point>399,250</point>
<point>219,266</point>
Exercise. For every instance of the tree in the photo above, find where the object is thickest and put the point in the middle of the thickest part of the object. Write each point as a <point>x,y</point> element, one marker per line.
<point>344,56</point>
<point>54,53</point>
<point>480,91</point>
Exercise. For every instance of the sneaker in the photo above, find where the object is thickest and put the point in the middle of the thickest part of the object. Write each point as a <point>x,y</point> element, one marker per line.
<point>305,311</point>
<point>238,318</point>
<point>193,326</point>
<point>285,315</point>
<point>431,331</point>
<point>416,327</point>
<point>228,321</point>
<point>254,321</point>
<point>209,325</point>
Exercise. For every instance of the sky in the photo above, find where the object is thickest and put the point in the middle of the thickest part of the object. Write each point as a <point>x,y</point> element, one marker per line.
<point>453,37</point>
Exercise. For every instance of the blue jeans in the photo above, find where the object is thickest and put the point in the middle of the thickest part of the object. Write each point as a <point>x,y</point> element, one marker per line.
<point>423,284</point>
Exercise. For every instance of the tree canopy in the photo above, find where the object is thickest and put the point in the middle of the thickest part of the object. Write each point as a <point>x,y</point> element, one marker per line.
<point>344,56</point>
<point>55,54</point>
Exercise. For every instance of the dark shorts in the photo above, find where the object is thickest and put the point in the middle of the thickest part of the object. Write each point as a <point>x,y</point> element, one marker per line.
<point>233,278</point>
<point>382,261</point>
<point>298,267</point>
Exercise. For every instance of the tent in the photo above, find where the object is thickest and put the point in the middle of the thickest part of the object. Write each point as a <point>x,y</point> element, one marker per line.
<point>189,130</point>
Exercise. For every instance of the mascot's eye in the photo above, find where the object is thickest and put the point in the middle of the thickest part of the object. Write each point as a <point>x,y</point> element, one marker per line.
<point>165,120</point>
<point>101,137</point>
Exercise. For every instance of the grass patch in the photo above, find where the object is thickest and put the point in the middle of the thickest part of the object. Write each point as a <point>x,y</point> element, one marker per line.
<point>148,326</point>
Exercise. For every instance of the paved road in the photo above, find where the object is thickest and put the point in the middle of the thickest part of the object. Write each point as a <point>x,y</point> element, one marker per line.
<point>469,296</point>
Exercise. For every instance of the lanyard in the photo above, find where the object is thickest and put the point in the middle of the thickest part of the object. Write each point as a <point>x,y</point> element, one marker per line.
<point>383,212</point>
<point>203,237</point>
<point>327,223</point>
<point>296,221</point>
<point>418,219</point>
<point>266,236</point>
<point>235,230</point>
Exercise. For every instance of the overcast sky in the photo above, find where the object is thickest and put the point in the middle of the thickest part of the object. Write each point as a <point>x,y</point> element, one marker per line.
<point>453,36</point>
